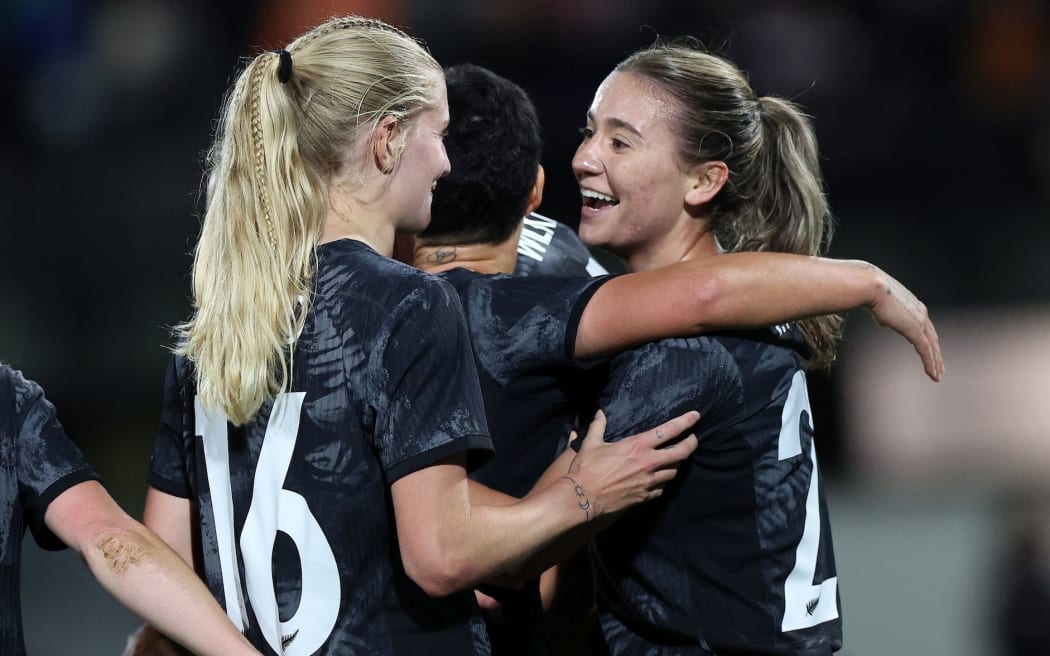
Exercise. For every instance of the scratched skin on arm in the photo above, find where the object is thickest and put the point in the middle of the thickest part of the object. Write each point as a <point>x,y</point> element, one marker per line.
<point>120,551</point>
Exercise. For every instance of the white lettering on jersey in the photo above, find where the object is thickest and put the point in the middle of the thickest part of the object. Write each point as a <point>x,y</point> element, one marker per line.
<point>536,236</point>
<point>805,604</point>
<point>211,426</point>
<point>274,509</point>
<point>595,268</point>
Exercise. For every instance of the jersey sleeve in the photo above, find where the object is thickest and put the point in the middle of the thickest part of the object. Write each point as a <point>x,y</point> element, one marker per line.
<point>429,405</point>
<point>167,466</point>
<point>48,461</point>
<point>520,324</point>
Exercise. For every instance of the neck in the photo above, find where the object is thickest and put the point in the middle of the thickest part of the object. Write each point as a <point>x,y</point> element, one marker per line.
<point>690,244</point>
<point>348,218</point>
<point>483,258</point>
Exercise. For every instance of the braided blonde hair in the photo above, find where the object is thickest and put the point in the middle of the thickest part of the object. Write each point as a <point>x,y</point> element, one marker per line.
<point>277,148</point>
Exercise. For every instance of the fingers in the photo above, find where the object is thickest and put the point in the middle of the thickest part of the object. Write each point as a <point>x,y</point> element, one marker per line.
<point>662,477</point>
<point>669,430</point>
<point>683,449</point>
<point>596,429</point>
<point>925,339</point>
<point>485,602</point>
<point>936,341</point>
<point>928,356</point>
<point>932,360</point>
<point>670,457</point>
<point>670,469</point>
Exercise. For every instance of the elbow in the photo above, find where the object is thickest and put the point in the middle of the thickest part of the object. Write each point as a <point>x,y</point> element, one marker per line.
<point>439,573</point>
<point>119,549</point>
<point>705,298</point>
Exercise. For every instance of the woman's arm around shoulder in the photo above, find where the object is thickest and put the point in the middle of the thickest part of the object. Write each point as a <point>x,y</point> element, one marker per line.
<point>748,290</point>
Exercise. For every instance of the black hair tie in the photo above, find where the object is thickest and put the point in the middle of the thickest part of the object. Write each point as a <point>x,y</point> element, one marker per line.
<point>284,68</point>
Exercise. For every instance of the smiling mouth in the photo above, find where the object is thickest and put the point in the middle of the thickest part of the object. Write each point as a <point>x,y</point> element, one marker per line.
<point>597,201</point>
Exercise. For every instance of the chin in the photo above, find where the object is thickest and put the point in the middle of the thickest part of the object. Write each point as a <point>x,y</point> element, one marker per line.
<point>591,235</point>
<point>414,225</point>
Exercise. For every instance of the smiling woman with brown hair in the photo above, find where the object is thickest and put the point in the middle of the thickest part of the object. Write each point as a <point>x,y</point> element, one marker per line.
<point>680,160</point>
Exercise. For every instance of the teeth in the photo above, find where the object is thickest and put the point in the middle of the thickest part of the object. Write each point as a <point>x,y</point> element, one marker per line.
<point>588,193</point>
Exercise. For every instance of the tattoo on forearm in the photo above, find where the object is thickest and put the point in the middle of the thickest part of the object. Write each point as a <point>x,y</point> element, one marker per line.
<point>583,502</point>
<point>442,255</point>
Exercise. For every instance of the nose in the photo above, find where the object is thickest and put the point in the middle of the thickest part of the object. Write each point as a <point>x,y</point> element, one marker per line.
<point>447,168</point>
<point>585,162</point>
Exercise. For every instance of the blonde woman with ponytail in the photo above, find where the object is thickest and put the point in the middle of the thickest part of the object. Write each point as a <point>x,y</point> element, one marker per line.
<point>320,411</point>
<point>682,160</point>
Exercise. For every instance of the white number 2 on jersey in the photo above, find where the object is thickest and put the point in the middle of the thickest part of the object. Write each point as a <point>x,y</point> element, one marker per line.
<point>272,509</point>
<point>805,604</point>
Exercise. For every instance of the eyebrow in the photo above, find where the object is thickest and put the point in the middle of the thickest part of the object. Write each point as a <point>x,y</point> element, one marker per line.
<point>617,123</point>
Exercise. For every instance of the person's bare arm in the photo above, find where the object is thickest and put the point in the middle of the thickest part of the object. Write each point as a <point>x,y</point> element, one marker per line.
<point>171,518</point>
<point>745,290</point>
<point>141,571</point>
<point>449,542</point>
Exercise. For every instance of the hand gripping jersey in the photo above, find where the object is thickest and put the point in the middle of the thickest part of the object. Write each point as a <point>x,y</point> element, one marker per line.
<point>298,535</point>
<point>551,248</point>
<point>524,336</point>
<point>38,462</point>
<point>523,332</point>
<point>736,556</point>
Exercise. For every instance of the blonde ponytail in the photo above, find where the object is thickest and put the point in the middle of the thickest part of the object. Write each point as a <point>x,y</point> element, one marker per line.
<point>278,145</point>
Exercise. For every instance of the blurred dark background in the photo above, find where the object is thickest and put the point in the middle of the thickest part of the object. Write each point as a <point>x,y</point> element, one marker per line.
<point>933,118</point>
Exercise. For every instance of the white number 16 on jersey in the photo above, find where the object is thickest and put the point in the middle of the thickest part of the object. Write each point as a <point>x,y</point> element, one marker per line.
<point>272,509</point>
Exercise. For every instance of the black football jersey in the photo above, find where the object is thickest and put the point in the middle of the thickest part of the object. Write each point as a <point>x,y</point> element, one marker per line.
<point>298,534</point>
<point>551,248</point>
<point>736,556</point>
<point>524,336</point>
<point>38,462</point>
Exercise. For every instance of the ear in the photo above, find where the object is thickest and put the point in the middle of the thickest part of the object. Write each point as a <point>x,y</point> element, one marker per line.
<point>536,195</point>
<point>706,180</point>
<point>385,139</point>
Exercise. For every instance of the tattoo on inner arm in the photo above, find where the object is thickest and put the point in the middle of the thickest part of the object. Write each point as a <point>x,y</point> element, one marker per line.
<point>584,503</point>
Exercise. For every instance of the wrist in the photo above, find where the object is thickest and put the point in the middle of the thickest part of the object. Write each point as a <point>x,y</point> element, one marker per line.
<point>581,498</point>
<point>872,280</point>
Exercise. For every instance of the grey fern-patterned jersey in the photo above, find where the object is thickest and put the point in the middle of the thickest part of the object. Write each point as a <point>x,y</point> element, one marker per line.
<point>736,556</point>
<point>298,533</point>
<point>548,247</point>
<point>524,337</point>
<point>38,462</point>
